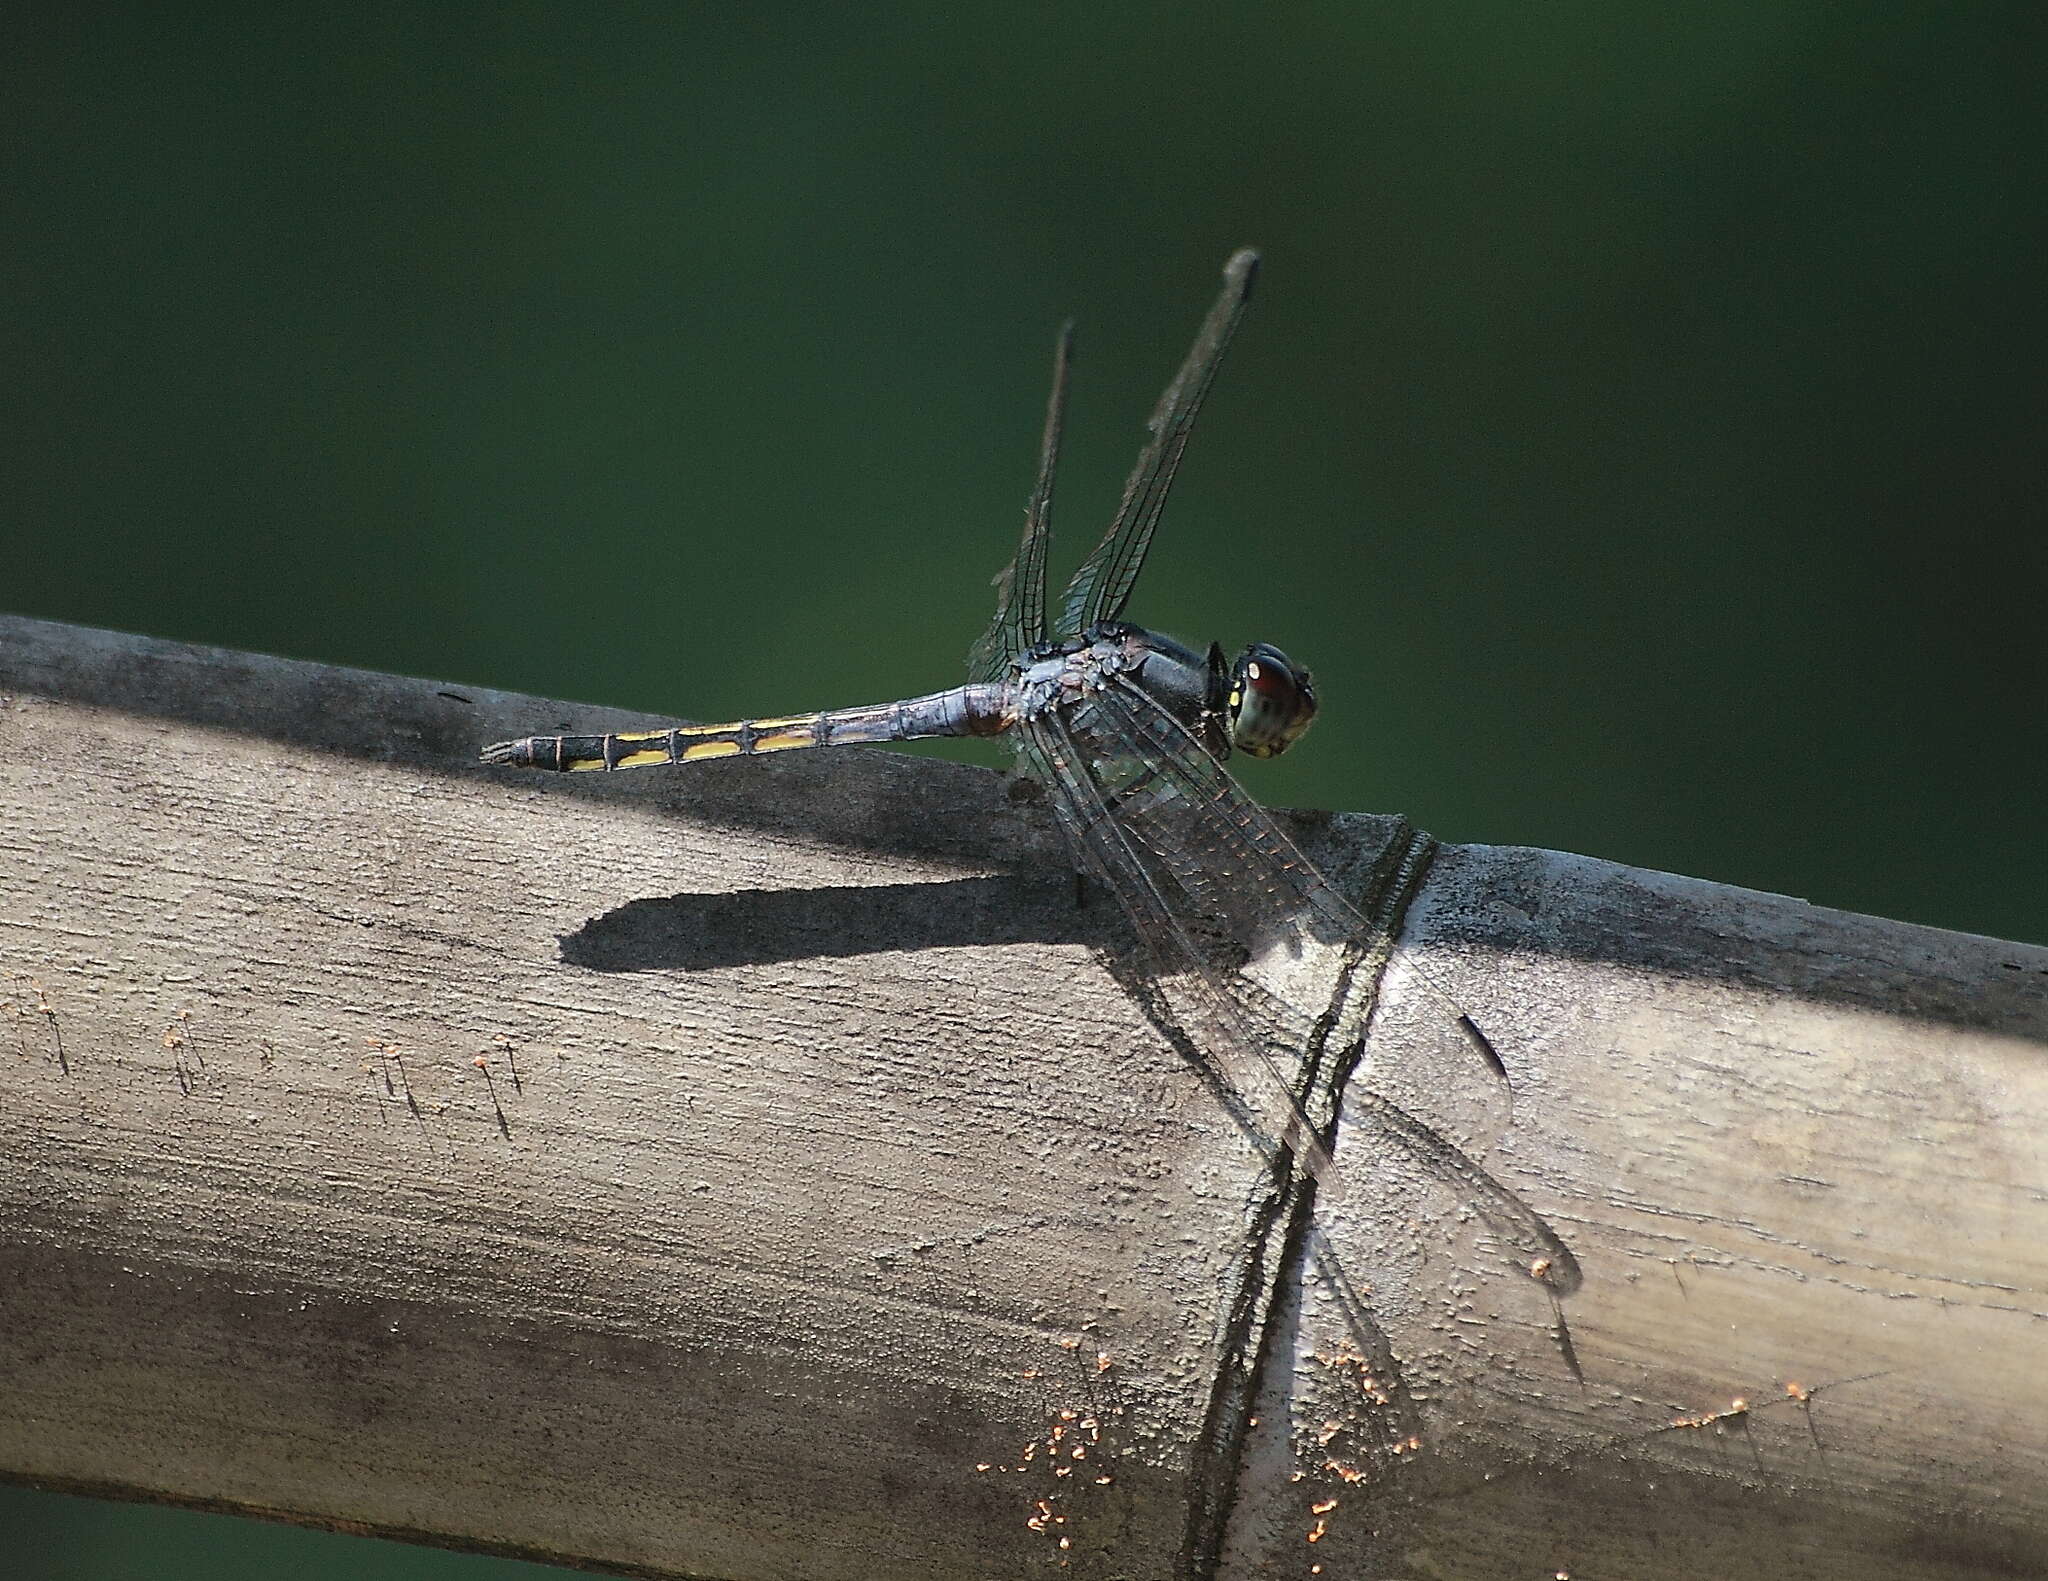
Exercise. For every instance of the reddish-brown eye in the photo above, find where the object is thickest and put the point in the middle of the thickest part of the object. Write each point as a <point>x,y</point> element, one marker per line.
<point>1272,701</point>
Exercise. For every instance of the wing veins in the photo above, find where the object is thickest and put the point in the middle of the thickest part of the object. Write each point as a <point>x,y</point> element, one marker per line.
<point>1102,586</point>
<point>1128,723</point>
<point>1020,587</point>
<point>1105,846</point>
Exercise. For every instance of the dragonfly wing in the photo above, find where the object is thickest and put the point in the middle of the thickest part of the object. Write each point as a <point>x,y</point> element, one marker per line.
<point>1020,589</point>
<point>1181,960</point>
<point>1102,586</point>
<point>1305,955</point>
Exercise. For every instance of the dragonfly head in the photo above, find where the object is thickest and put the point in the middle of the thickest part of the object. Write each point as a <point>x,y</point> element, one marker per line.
<point>1272,701</point>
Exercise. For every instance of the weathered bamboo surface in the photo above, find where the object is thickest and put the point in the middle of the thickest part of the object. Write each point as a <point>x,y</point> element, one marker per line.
<point>753,1172</point>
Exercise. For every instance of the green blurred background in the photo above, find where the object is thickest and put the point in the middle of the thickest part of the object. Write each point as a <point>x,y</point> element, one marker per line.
<point>1638,429</point>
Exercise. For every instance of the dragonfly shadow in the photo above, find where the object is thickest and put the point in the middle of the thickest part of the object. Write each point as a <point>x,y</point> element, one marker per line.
<point>700,932</point>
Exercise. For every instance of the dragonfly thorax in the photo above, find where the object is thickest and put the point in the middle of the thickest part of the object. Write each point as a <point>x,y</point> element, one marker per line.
<point>1259,705</point>
<point>1272,701</point>
<point>1067,673</point>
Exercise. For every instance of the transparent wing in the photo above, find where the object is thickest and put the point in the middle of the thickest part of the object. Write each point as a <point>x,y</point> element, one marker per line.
<point>1102,586</point>
<point>1181,957</point>
<point>1020,589</point>
<point>1251,934</point>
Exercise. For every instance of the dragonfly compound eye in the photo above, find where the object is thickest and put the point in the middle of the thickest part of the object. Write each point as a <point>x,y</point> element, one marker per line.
<point>1272,701</point>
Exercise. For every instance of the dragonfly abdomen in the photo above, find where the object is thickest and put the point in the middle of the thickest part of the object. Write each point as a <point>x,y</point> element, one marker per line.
<point>981,709</point>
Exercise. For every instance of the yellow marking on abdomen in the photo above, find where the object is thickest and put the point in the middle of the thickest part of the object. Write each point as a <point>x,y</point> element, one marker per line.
<point>709,749</point>
<point>640,760</point>
<point>585,765</point>
<point>641,735</point>
<point>783,743</point>
<point>784,724</point>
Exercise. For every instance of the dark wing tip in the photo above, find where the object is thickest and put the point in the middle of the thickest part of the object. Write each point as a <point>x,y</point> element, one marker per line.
<point>1062,362</point>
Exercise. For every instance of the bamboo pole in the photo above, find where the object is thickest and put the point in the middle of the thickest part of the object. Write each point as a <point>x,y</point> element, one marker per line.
<point>754,1172</point>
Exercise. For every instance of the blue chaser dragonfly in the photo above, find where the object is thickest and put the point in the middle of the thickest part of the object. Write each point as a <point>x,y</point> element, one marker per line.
<point>1126,730</point>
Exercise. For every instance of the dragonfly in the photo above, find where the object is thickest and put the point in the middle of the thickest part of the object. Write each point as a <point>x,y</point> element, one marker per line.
<point>1127,731</point>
